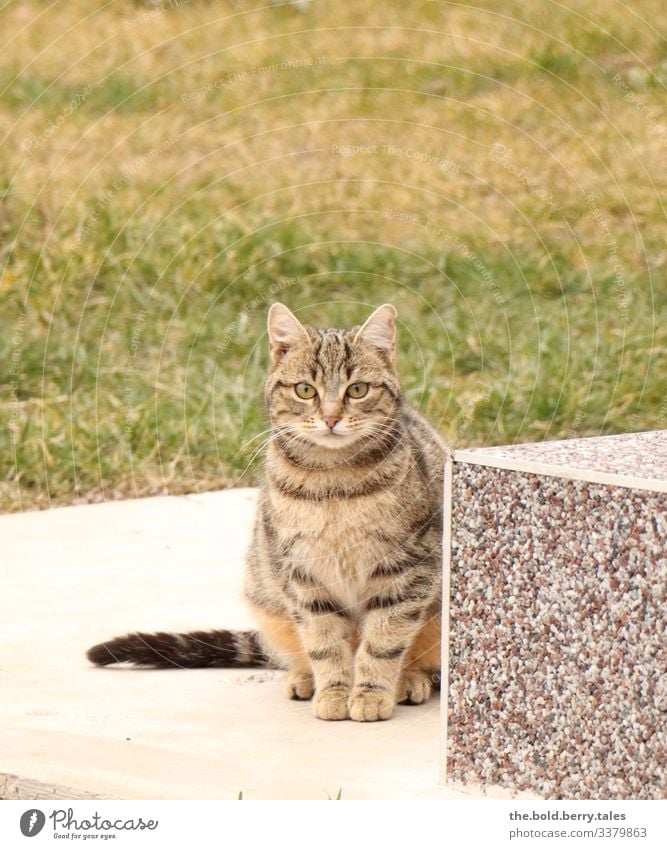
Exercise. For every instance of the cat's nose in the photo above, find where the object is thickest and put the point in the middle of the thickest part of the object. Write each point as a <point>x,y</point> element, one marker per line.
<point>331,421</point>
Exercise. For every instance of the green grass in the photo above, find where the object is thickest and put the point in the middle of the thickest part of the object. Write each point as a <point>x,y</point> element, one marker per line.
<point>144,232</point>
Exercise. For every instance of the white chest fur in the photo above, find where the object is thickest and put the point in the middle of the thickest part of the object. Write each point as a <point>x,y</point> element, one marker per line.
<point>334,541</point>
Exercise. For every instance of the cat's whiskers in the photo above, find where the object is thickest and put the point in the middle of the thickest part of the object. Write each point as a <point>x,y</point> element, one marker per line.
<point>377,434</point>
<point>273,434</point>
<point>253,438</point>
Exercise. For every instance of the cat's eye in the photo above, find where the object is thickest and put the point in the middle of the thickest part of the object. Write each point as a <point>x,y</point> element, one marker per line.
<point>305,391</point>
<point>357,390</point>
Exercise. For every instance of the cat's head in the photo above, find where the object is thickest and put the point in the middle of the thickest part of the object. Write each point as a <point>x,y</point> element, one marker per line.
<point>333,389</point>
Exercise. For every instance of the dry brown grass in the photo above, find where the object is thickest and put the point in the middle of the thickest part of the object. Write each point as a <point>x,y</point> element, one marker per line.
<point>209,153</point>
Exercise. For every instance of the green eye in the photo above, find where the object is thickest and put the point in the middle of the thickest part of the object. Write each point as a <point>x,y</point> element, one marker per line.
<point>357,390</point>
<point>305,390</point>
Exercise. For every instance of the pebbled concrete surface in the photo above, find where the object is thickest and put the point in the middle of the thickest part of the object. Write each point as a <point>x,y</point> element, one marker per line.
<point>558,616</point>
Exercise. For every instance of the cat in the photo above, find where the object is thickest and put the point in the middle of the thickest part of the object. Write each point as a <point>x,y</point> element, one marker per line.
<point>343,574</point>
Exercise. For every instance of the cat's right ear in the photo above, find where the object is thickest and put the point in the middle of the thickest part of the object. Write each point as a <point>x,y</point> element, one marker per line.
<point>285,331</point>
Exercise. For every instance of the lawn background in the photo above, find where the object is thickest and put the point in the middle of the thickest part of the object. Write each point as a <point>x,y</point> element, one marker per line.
<point>496,170</point>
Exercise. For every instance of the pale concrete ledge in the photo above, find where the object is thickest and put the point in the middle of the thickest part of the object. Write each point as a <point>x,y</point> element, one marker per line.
<point>75,576</point>
<point>557,617</point>
<point>632,460</point>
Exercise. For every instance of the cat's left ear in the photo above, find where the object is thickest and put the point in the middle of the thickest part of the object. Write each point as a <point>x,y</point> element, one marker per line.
<point>380,329</point>
<point>285,331</point>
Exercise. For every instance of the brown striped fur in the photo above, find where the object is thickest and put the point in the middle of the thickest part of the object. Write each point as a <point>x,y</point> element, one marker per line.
<point>344,570</point>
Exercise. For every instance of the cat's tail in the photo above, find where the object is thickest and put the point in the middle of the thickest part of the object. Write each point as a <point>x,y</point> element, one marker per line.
<point>238,649</point>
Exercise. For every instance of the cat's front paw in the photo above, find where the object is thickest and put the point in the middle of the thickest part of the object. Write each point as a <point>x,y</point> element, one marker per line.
<point>415,688</point>
<point>371,705</point>
<point>299,685</point>
<point>331,704</point>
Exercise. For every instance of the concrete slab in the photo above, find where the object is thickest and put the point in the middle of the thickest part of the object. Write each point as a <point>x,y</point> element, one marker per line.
<point>74,576</point>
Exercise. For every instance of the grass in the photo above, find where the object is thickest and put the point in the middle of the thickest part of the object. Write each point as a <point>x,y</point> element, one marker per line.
<point>496,171</point>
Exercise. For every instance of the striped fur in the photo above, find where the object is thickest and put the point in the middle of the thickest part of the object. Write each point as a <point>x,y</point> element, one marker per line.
<point>344,569</point>
<point>196,649</point>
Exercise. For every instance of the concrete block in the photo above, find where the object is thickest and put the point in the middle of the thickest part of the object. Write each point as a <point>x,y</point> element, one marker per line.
<point>557,616</point>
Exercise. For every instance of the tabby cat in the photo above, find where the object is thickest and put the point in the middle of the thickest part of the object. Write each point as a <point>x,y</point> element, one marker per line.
<point>344,570</point>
